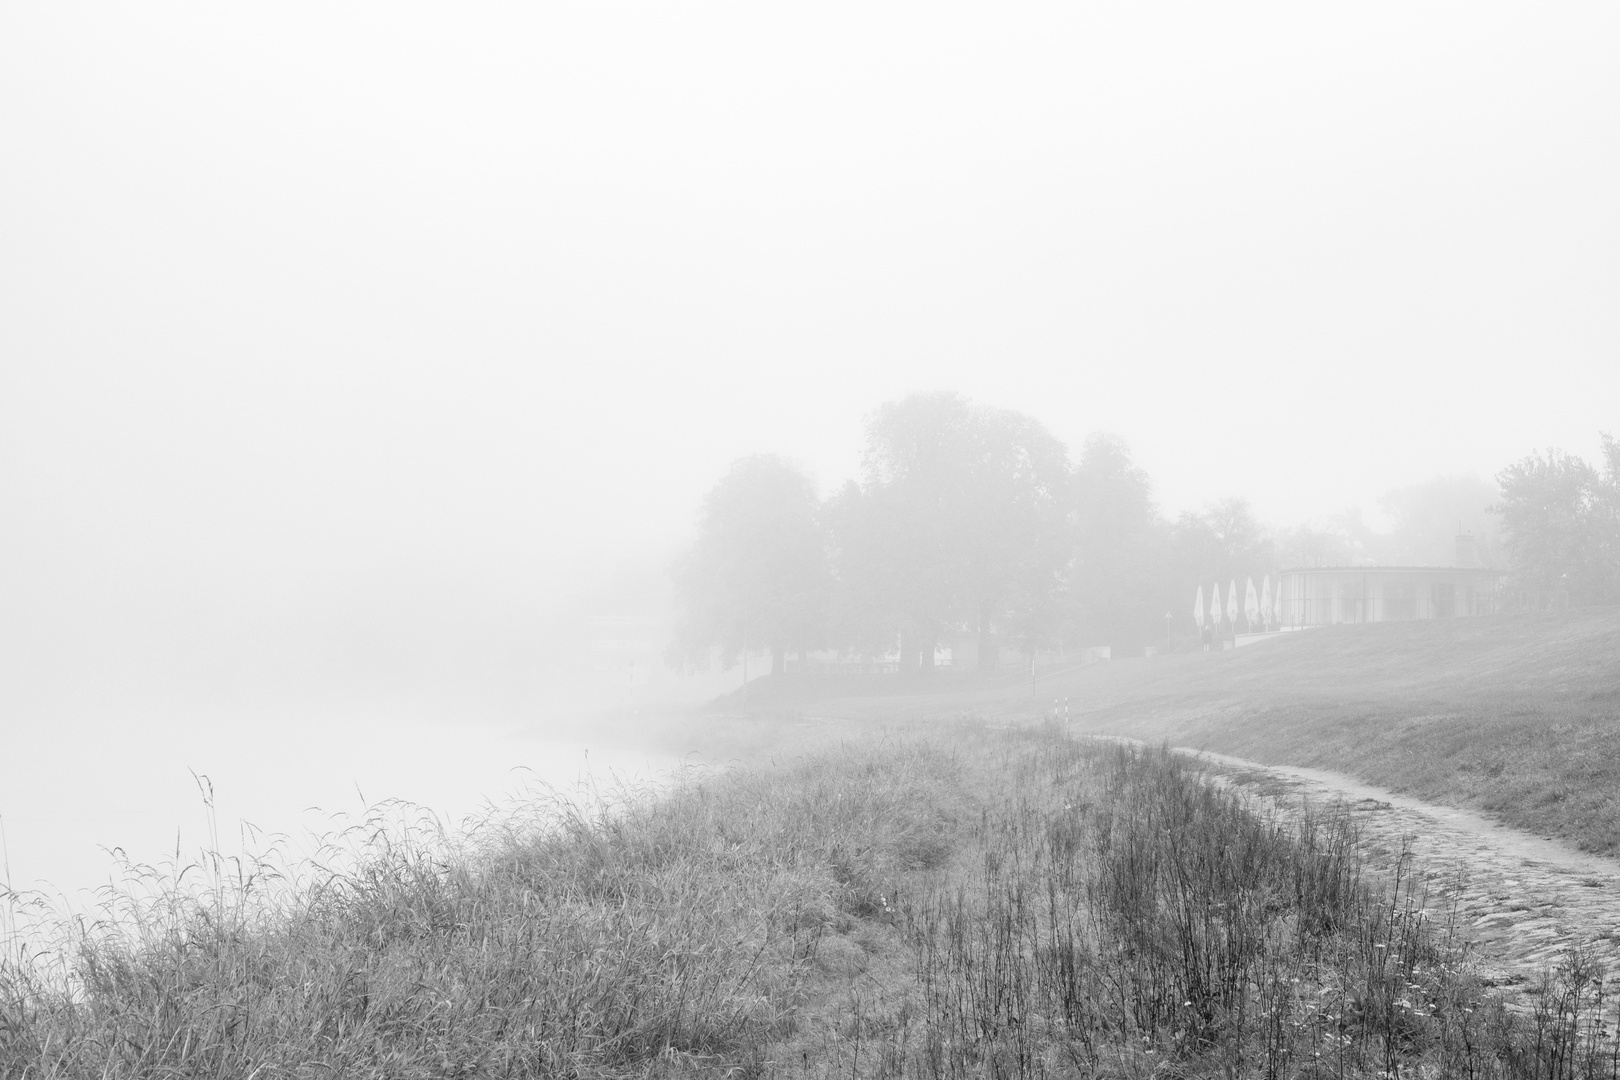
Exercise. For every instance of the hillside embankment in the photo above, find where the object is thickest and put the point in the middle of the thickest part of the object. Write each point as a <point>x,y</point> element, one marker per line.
<point>1513,716</point>
<point>1480,755</point>
<point>883,887</point>
<point>949,900</point>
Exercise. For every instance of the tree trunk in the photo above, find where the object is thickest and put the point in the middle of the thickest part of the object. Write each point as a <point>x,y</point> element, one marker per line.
<point>778,660</point>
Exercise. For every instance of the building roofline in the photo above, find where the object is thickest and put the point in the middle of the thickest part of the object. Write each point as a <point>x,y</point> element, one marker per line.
<point>1390,569</point>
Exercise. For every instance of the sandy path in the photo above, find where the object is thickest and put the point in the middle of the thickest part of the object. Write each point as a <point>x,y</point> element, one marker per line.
<point>1522,899</point>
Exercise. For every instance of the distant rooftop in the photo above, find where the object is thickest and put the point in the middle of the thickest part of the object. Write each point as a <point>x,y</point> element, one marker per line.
<point>1389,570</point>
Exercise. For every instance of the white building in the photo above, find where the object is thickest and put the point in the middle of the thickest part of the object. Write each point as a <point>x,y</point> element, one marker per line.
<point>1323,595</point>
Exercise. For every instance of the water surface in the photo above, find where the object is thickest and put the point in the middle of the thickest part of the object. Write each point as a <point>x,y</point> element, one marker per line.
<point>79,794</point>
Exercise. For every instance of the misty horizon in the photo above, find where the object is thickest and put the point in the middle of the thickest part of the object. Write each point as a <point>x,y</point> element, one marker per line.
<point>352,362</point>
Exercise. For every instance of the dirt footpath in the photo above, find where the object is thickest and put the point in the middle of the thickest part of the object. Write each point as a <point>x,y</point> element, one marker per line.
<point>1522,899</point>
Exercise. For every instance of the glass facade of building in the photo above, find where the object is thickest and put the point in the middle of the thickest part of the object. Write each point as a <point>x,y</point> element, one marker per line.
<point>1322,596</point>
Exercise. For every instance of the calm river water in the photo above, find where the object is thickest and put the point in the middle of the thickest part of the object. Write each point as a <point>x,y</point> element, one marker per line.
<point>73,789</point>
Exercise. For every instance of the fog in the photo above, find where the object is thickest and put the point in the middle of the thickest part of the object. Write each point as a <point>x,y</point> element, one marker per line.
<point>362,368</point>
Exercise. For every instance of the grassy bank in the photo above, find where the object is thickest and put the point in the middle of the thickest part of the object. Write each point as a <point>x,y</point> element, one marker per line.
<point>1515,715</point>
<point>956,903</point>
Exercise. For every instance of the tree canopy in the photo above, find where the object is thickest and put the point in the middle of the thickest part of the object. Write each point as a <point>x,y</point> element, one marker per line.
<point>971,522</point>
<point>1119,588</point>
<point>1561,518</point>
<point>757,575</point>
<point>963,515</point>
<point>966,520</point>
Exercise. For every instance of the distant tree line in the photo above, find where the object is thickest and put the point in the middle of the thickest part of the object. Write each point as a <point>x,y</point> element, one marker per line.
<point>971,520</point>
<point>966,520</point>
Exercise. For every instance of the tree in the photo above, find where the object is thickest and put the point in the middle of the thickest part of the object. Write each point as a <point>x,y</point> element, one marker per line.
<point>1336,541</point>
<point>757,575</point>
<point>1224,543</point>
<point>959,521</point>
<point>1558,517</point>
<point>869,588</point>
<point>915,509</point>
<point>1606,508</point>
<point>1118,583</point>
<point>1020,541</point>
<point>1426,520</point>
<point>1242,542</point>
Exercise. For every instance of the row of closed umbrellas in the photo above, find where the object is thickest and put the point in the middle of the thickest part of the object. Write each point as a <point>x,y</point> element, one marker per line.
<point>1262,606</point>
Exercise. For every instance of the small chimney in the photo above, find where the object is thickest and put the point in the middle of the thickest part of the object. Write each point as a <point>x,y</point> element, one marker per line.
<point>1465,551</point>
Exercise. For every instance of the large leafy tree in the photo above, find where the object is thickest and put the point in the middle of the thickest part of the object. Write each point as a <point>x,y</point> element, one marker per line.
<point>1222,542</point>
<point>1559,516</point>
<point>1022,545</point>
<point>757,575</point>
<point>1119,590</point>
<point>959,522</point>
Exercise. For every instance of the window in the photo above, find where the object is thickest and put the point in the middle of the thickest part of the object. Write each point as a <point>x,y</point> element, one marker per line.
<point>1400,600</point>
<point>1350,600</point>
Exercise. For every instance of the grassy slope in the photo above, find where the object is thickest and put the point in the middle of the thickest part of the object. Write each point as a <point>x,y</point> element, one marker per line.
<point>1516,715</point>
<point>953,902</point>
<point>748,924</point>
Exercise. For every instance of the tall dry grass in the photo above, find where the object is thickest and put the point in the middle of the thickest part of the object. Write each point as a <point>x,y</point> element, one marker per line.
<point>556,940</point>
<point>957,903</point>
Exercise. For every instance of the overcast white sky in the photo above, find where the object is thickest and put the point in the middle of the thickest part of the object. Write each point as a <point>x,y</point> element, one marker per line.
<point>295,292</point>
